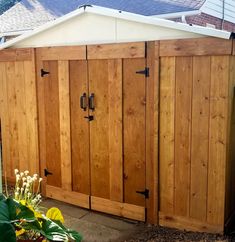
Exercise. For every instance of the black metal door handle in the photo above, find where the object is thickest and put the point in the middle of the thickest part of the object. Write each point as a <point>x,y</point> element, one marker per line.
<point>92,102</point>
<point>83,102</point>
<point>90,117</point>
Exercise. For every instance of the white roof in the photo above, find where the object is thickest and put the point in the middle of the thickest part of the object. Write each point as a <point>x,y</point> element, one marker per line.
<point>166,25</point>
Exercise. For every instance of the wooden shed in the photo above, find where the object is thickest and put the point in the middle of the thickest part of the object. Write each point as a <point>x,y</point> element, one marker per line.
<point>138,124</point>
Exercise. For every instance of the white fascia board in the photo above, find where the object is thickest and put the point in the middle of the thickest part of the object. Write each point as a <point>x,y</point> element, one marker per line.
<point>160,22</point>
<point>120,15</point>
<point>177,14</point>
<point>14,33</point>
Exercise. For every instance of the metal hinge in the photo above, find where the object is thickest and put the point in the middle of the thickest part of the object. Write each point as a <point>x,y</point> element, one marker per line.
<point>144,72</point>
<point>47,173</point>
<point>145,193</point>
<point>43,73</point>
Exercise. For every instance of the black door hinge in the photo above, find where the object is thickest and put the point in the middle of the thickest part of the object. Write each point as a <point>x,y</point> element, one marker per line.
<point>43,73</point>
<point>47,173</point>
<point>145,193</point>
<point>144,72</point>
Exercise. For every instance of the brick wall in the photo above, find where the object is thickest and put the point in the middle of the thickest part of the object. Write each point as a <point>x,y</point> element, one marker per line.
<point>202,19</point>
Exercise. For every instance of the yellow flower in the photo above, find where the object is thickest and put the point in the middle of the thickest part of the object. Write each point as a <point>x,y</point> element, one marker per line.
<point>55,214</point>
<point>20,232</point>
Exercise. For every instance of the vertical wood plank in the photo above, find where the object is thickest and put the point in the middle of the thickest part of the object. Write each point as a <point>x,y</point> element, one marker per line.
<point>115,129</point>
<point>13,125</point>
<point>4,120</point>
<point>99,129</point>
<point>52,123</point>
<point>218,138</point>
<point>167,134</point>
<point>152,113</point>
<point>183,134</point>
<point>134,121</point>
<point>21,115</point>
<point>79,128</point>
<point>31,116</point>
<point>64,110</point>
<point>200,139</point>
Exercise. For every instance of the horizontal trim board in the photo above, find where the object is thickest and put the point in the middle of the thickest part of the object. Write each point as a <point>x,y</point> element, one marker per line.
<point>195,47</point>
<point>116,208</point>
<point>74,198</point>
<point>188,224</point>
<point>16,54</point>
<point>62,53</point>
<point>116,51</point>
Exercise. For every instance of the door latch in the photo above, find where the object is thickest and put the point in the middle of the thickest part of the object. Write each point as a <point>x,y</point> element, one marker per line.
<point>47,173</point>
<point>90,117</point>
<point>145,193</point>
<point>43,73</point>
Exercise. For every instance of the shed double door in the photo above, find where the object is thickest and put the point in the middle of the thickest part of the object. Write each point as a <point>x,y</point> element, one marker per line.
<point>95,131</point>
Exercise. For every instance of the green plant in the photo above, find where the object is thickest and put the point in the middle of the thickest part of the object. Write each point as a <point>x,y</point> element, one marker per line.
<point>21,218</point>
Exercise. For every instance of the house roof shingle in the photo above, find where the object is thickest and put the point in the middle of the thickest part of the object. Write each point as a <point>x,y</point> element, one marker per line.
<point>29,14</point>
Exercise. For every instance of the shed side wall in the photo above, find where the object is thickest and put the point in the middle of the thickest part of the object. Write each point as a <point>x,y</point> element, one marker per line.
<point>18,111</point>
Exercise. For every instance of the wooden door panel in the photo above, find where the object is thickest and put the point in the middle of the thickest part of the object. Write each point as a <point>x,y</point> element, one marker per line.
<point>79,128</point>
<point>52,123</point>
<point>134,106</point>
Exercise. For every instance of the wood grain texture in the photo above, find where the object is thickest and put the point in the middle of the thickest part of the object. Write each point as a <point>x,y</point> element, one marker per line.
<point>119,209</point>
<point>52,123</point>
<point>194,47</point>
<point>16,55</point>
<point>116,51</point>
<point>218,139</point>
<point>134,124</point>
<point>115,130</point>
<point>74,198</point>
<point>183,134</point>
<point>167,134</point>
<point>188,224</point>
<point>200,139</point>
<point>99,129</point>
<point>79,128</point>
<point>152,113</point>
<point>64,112</point>
<point>63,53</point>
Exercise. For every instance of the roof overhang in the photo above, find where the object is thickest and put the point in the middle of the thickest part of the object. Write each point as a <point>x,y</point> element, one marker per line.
<point>124,16</point>
<point>178,14</point>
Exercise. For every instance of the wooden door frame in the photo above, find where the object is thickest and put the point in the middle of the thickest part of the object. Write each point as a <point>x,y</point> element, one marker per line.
<point>148,50</point>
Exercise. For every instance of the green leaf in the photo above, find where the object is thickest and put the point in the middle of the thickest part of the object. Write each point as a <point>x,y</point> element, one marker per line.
<point>74,235</point>
<point>2,197</point>
<point>4,212</point>
<point>7,232</point>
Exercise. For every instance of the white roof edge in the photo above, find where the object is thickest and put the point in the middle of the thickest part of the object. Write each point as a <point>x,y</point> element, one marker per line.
<point>178,14</point>
<point>121,15</point>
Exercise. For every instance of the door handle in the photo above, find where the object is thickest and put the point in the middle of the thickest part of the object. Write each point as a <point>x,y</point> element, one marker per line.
<point>83,102</point>
<point>92,102</point>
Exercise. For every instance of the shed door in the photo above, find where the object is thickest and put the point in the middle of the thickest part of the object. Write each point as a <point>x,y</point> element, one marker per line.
<point>117,136</point>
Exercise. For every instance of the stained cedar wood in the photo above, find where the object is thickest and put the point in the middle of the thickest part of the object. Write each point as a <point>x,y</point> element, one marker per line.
<point>52,123</point>
<point>217,139</point>
<point>63,53</point>
<point>99,129</point>
<point>4,120</point>
<point>195,47</point>
<point>188,224</point>
<point>71,197</point>
<point>115,129</point>
<point>16,55</point>
<point>13,124</point>
<point>230,167</point>
<point>134,114</point>
<point>152,112</point>
<point>31,116</point>
<point>79,128</point>
<point>116,51</point>
<point>182,134</point>
<point>20,88</point>
<point>116,208</point>
<point>200,139</point>
<point>166,132</point>
<point>64,113</point>
<point>41,98</point>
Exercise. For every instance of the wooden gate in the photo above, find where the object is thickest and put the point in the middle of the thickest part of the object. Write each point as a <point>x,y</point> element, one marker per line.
<point>92,124</point>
